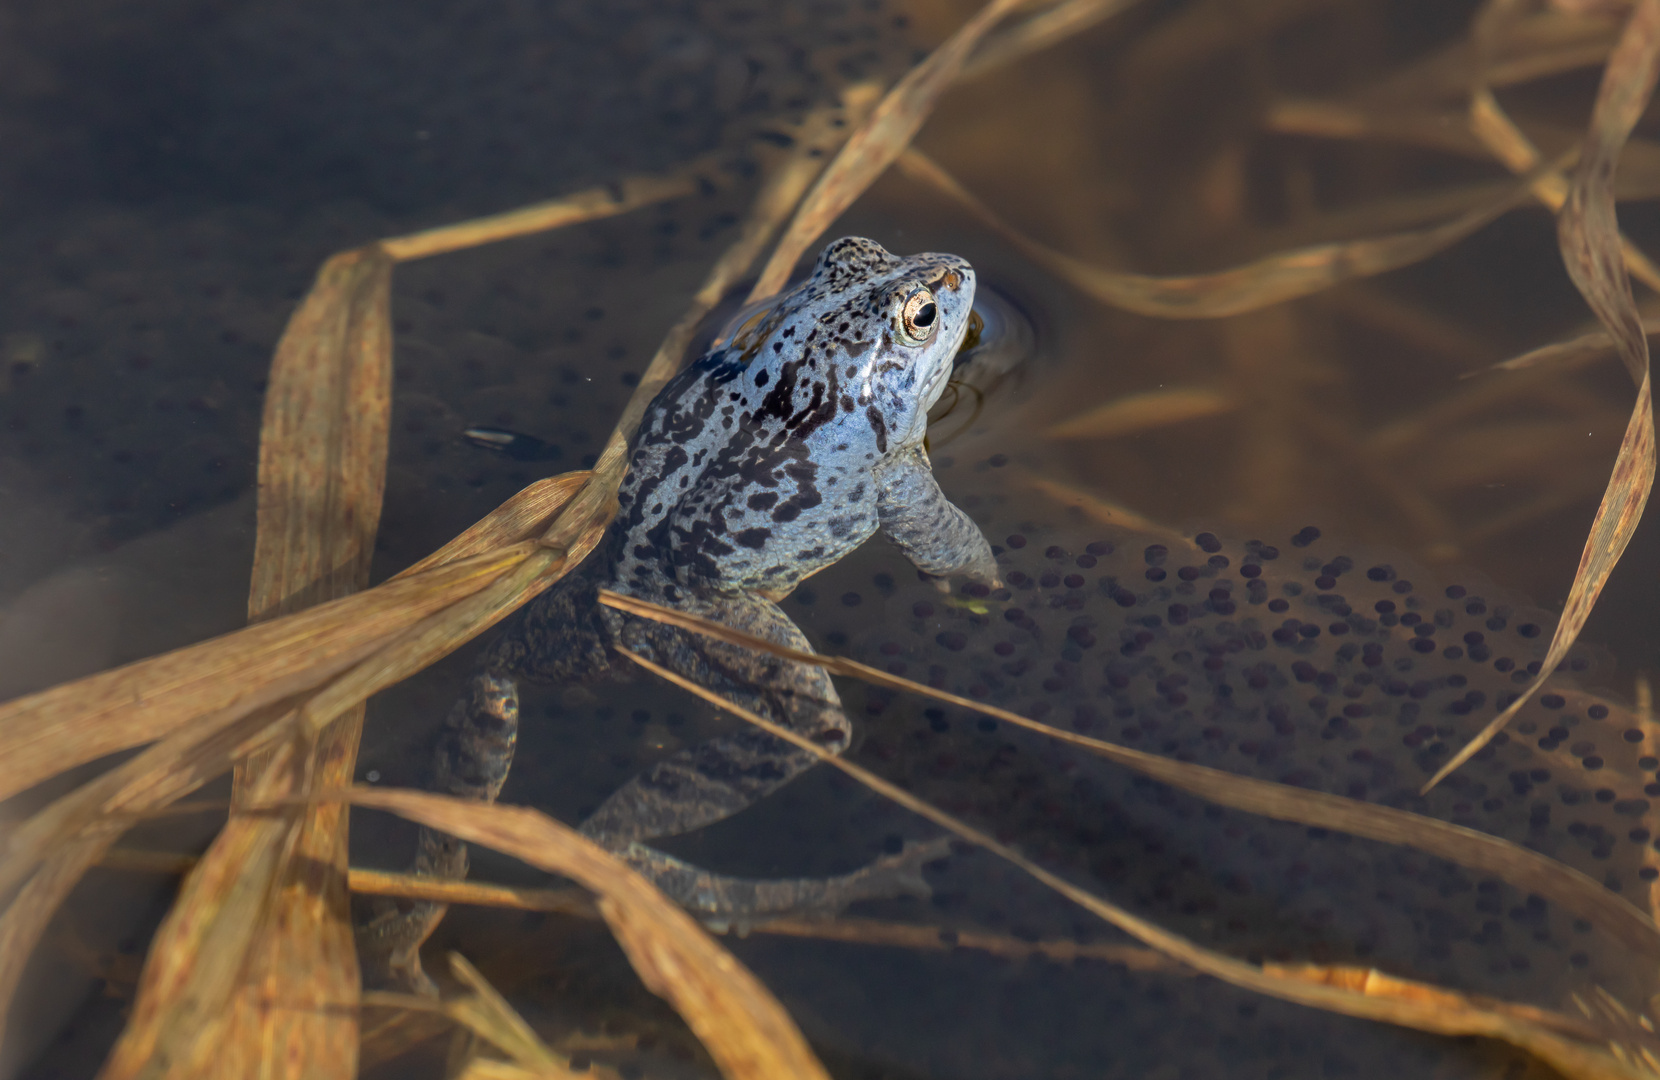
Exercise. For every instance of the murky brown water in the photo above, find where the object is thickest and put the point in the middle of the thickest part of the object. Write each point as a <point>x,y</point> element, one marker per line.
<point>182,174</point>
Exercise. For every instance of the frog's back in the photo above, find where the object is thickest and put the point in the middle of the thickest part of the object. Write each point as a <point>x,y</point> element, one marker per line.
<point>752,469</point>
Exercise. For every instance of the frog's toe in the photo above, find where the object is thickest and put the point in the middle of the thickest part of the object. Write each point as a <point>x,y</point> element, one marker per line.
<point>900,874</point>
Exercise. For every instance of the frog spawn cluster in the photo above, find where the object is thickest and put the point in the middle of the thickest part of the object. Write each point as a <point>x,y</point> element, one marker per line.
<point>1283,661</point>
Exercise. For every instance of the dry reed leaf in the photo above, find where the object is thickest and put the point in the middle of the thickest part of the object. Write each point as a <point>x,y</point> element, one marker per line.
<point>1522,450</point>
<point>820,134</point>
<point>199,955</point>
<point>1040,31</point>
<point>1588,231</point>
<point>1107,513</point>
<point>1375,983</point>
<point>73,832</point>
<point>1572,1049</point>
<point>850,931</point>
<point>525,516</point>
<point>47,733</point>
<point>875,143</point>
<point>567,901</point>
<point>1495,24</point>
<point>1518,865</point>
<point>323,437</point>
<point>488,1015</point>
<point>1273,279</point>
<point>1324,119</point>
<point>578,903</point>
<point>272,987</point>
<point>1584,347</point>
<point>322,476</point>
<point>1536,45</point>
<point>746,1031</point>
<point>605,201</point>
<point>1457,133</point>
<point>53,849</point>
<point>1141,412</point>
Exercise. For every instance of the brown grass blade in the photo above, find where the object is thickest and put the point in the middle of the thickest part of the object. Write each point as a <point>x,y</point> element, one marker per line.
<point>820,134</point>
<point>46,733</point>
<point>1273,279</point>
<point>488,1015</point>
<point>52,850</point>
<point>1573,1048</point>
<point>875,143</point>
<point>71,833</point>
<point>1537,43</point>
<point>1040,31</point>
<point>1582,347</point>
<point>322,476</point>
<point>525,516</point>
<point>322,461</point>
<point>747,1032</point>
<point>1144,411</point>
<point>607,200</point>
<point>1521,867</point>
<point>1588,231</point>
<point>199,955</point>
<point>579,903</point>
<point>1497,22</point>
<point>1107,513</point>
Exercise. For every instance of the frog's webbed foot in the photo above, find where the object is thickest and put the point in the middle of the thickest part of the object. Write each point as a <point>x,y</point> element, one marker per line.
<point>938,538</point>
<point>723,901</point>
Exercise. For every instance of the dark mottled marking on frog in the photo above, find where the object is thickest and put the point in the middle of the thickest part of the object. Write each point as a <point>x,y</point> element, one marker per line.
<point>879,426</point>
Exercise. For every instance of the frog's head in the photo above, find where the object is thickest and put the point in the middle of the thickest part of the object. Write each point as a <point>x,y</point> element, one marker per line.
<point>901,320</point>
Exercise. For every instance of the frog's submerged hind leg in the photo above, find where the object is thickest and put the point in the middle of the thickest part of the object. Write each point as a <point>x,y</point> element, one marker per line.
<point>716,779</point>
<point>472,757</point>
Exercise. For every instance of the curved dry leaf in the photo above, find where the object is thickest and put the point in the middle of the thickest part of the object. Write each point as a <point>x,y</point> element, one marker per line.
<point>1040,31</point>
<point>875,144</point>
<point>1144,411</point>
<point>199,956</point>
<point>608,200</point>
<point>1271,280</point>
<point>488,1015</point>
<point>1574,1050</point>
<point>1107,513</point>
<point>746,1030</point>
<point>322,476</point>
<point>1588,230</point>
<point>44,734</point>
<point>1518,865</point>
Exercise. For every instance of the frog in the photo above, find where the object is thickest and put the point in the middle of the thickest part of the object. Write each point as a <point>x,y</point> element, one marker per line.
<point>789,443</point>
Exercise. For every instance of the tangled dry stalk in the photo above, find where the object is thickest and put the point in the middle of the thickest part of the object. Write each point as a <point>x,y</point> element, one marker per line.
<point>253,971</point>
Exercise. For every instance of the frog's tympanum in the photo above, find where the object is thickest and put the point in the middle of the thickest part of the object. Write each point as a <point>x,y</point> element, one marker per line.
<point>778,452</point>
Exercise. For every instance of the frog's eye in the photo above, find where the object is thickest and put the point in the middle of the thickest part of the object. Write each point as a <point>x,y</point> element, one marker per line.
<point>917,317</point>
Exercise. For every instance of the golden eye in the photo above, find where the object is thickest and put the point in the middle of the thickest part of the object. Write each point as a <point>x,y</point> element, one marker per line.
<point>918,317</point>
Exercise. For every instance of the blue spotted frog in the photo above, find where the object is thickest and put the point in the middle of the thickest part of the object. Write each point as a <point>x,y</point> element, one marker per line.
<point>786,446</point>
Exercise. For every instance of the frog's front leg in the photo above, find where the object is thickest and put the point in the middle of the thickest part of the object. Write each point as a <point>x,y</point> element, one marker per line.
<point>933,532</point>
<point>714,780</point>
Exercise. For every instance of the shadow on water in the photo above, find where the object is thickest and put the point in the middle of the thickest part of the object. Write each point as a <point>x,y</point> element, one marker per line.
<point>175,176</point>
